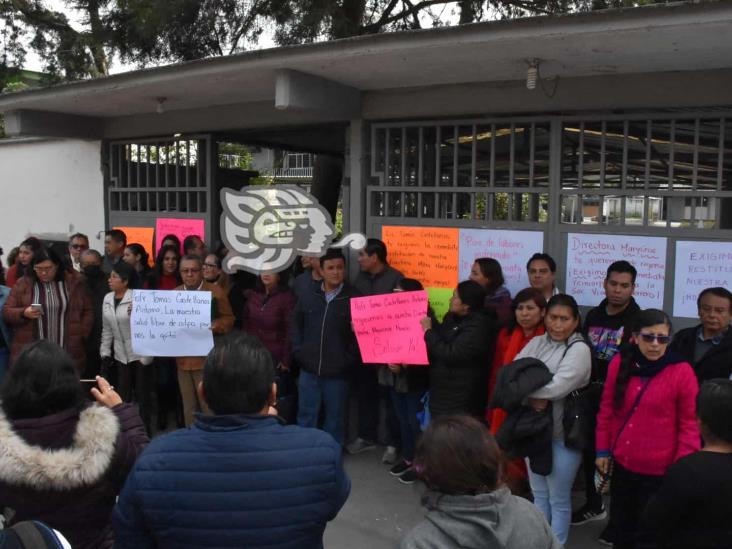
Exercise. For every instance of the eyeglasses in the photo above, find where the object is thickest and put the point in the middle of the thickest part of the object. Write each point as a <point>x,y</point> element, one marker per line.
<point>43,270</point>
<point>79,246</point>
<point>650,338</point>
<point>210,265</point>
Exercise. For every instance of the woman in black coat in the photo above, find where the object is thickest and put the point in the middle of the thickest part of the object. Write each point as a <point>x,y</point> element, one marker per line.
<point>64,459</point>
<point>460,352</point>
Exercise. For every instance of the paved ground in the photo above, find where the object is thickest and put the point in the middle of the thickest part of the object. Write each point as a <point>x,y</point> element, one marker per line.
<point>381,510</point>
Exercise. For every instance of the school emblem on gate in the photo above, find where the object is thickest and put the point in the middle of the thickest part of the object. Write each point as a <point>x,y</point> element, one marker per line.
<point>266,228</point>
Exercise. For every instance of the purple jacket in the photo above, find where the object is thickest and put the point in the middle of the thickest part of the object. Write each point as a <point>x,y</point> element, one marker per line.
<point>269,317</point>
<point>66,469</point>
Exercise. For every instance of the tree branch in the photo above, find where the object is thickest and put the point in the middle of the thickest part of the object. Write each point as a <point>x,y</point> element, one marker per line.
<point>385,19</point>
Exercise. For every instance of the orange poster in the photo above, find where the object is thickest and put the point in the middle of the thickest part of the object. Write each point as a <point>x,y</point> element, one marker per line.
<point>140,235</point>
<point>429,254</point>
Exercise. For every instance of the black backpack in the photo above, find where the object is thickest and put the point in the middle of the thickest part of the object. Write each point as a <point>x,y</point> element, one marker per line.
<point>29,534</point>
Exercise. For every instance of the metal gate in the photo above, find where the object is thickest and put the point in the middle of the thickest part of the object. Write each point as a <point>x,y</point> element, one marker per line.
<point>164,177</point>
<point>651,174</point>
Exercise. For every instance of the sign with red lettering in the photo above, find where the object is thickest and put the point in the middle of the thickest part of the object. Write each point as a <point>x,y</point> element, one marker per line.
<point>387,327</point>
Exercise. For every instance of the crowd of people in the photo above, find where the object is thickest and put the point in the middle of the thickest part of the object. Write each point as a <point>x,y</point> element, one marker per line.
<point>521,401</point>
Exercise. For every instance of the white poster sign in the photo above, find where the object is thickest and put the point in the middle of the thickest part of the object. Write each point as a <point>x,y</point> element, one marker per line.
<point>512,249</point>
<point>589,256</point>
<point>699,265</point>
<point>171,323</point>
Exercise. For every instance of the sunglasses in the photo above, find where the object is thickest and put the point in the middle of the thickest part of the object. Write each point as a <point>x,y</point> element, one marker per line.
<point>650,338</point>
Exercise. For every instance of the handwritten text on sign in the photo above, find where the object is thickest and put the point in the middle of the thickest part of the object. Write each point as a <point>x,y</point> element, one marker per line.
<point>171,323</point>
<point>589,256</point>
<point>512,249</point>
<point>700,265</point>
<point>178,227</point>
<point>387,327</point>
<point>429,254</point>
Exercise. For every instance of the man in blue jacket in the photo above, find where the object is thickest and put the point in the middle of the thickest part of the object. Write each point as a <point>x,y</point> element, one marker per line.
<point>324,345</point>
<point>239,477</point>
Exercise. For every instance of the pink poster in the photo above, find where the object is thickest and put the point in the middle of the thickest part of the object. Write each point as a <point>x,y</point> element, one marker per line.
<point>179,227</point>
<point>387,327</point>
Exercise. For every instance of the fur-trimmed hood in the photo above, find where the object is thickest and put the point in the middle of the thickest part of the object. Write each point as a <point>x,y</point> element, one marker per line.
<point>81,464</point>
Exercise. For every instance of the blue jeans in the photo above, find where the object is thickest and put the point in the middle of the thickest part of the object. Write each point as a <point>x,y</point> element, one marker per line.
<point>553,493</point>
<point>406,406</point>
<point>332,393</point>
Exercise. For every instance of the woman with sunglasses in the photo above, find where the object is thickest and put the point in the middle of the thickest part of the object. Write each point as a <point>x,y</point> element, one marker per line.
<point>647,421</point>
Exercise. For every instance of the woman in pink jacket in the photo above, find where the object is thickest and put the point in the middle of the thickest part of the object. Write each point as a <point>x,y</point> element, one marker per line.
<point>647,421</point>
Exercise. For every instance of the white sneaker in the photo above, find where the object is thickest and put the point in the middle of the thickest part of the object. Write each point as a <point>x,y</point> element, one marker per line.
<point>390,455</point>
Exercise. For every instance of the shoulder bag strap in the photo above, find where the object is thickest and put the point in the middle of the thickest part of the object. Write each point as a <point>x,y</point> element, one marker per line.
<point>630,414</point>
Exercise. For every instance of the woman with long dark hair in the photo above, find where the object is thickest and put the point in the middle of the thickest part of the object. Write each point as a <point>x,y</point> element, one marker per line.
<point>135,374</point>
<point>165,274</point>
<point>567,356</point>
<point>21,265</point>
<point>51,303</point>
<point>467,503</point>
<point>459,351</point>
<point>647,422</point>
<point>64,460</point>
<point>136,255</point>
<point>487,272</point>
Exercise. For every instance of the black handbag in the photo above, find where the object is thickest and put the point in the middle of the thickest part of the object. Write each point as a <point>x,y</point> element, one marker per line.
<point>580,411</point>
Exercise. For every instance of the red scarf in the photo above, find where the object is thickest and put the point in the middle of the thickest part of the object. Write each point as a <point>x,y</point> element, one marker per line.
<point>508,346</point>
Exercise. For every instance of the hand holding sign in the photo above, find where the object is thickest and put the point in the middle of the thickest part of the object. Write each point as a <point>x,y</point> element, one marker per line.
<point>388,327</point>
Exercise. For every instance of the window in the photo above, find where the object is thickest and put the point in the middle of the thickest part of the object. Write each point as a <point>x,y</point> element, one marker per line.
<point>465,171</point>
<point>673,173</point>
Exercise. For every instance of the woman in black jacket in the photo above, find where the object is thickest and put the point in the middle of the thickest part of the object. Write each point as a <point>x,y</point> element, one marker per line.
<point>460,351</point>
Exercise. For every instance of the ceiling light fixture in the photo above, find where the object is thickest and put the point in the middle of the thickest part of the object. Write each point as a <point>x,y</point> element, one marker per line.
<point>533,77</point>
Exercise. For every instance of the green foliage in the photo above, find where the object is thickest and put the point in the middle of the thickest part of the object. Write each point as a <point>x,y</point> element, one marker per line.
<point>159,31</point>
<point>235,155</point>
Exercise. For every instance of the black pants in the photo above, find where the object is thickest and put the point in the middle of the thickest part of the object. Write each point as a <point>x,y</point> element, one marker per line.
<point>372,397</point>
<point>136,383</point>
<point>630,493</point>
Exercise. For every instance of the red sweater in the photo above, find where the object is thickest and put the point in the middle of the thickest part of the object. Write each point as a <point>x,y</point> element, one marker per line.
<point>663,428</point>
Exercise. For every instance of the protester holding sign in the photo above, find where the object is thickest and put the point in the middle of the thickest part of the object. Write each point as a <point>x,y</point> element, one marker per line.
<point>708,346</point>
<point>165,275</point>
<point>460,350</point>
<point>190,369</point>
<point>376,277</point>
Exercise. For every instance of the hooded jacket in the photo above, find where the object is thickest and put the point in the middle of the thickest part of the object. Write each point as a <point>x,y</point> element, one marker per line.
<point>66,469</point>
<point>525,432</point>
<point>459,353</point>
<point>496,520</point>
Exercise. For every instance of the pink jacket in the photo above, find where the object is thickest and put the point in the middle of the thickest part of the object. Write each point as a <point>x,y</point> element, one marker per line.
<point>663,428</point>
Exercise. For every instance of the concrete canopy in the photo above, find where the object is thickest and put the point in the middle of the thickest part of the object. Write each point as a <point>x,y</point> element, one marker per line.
<point>239,92</point>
